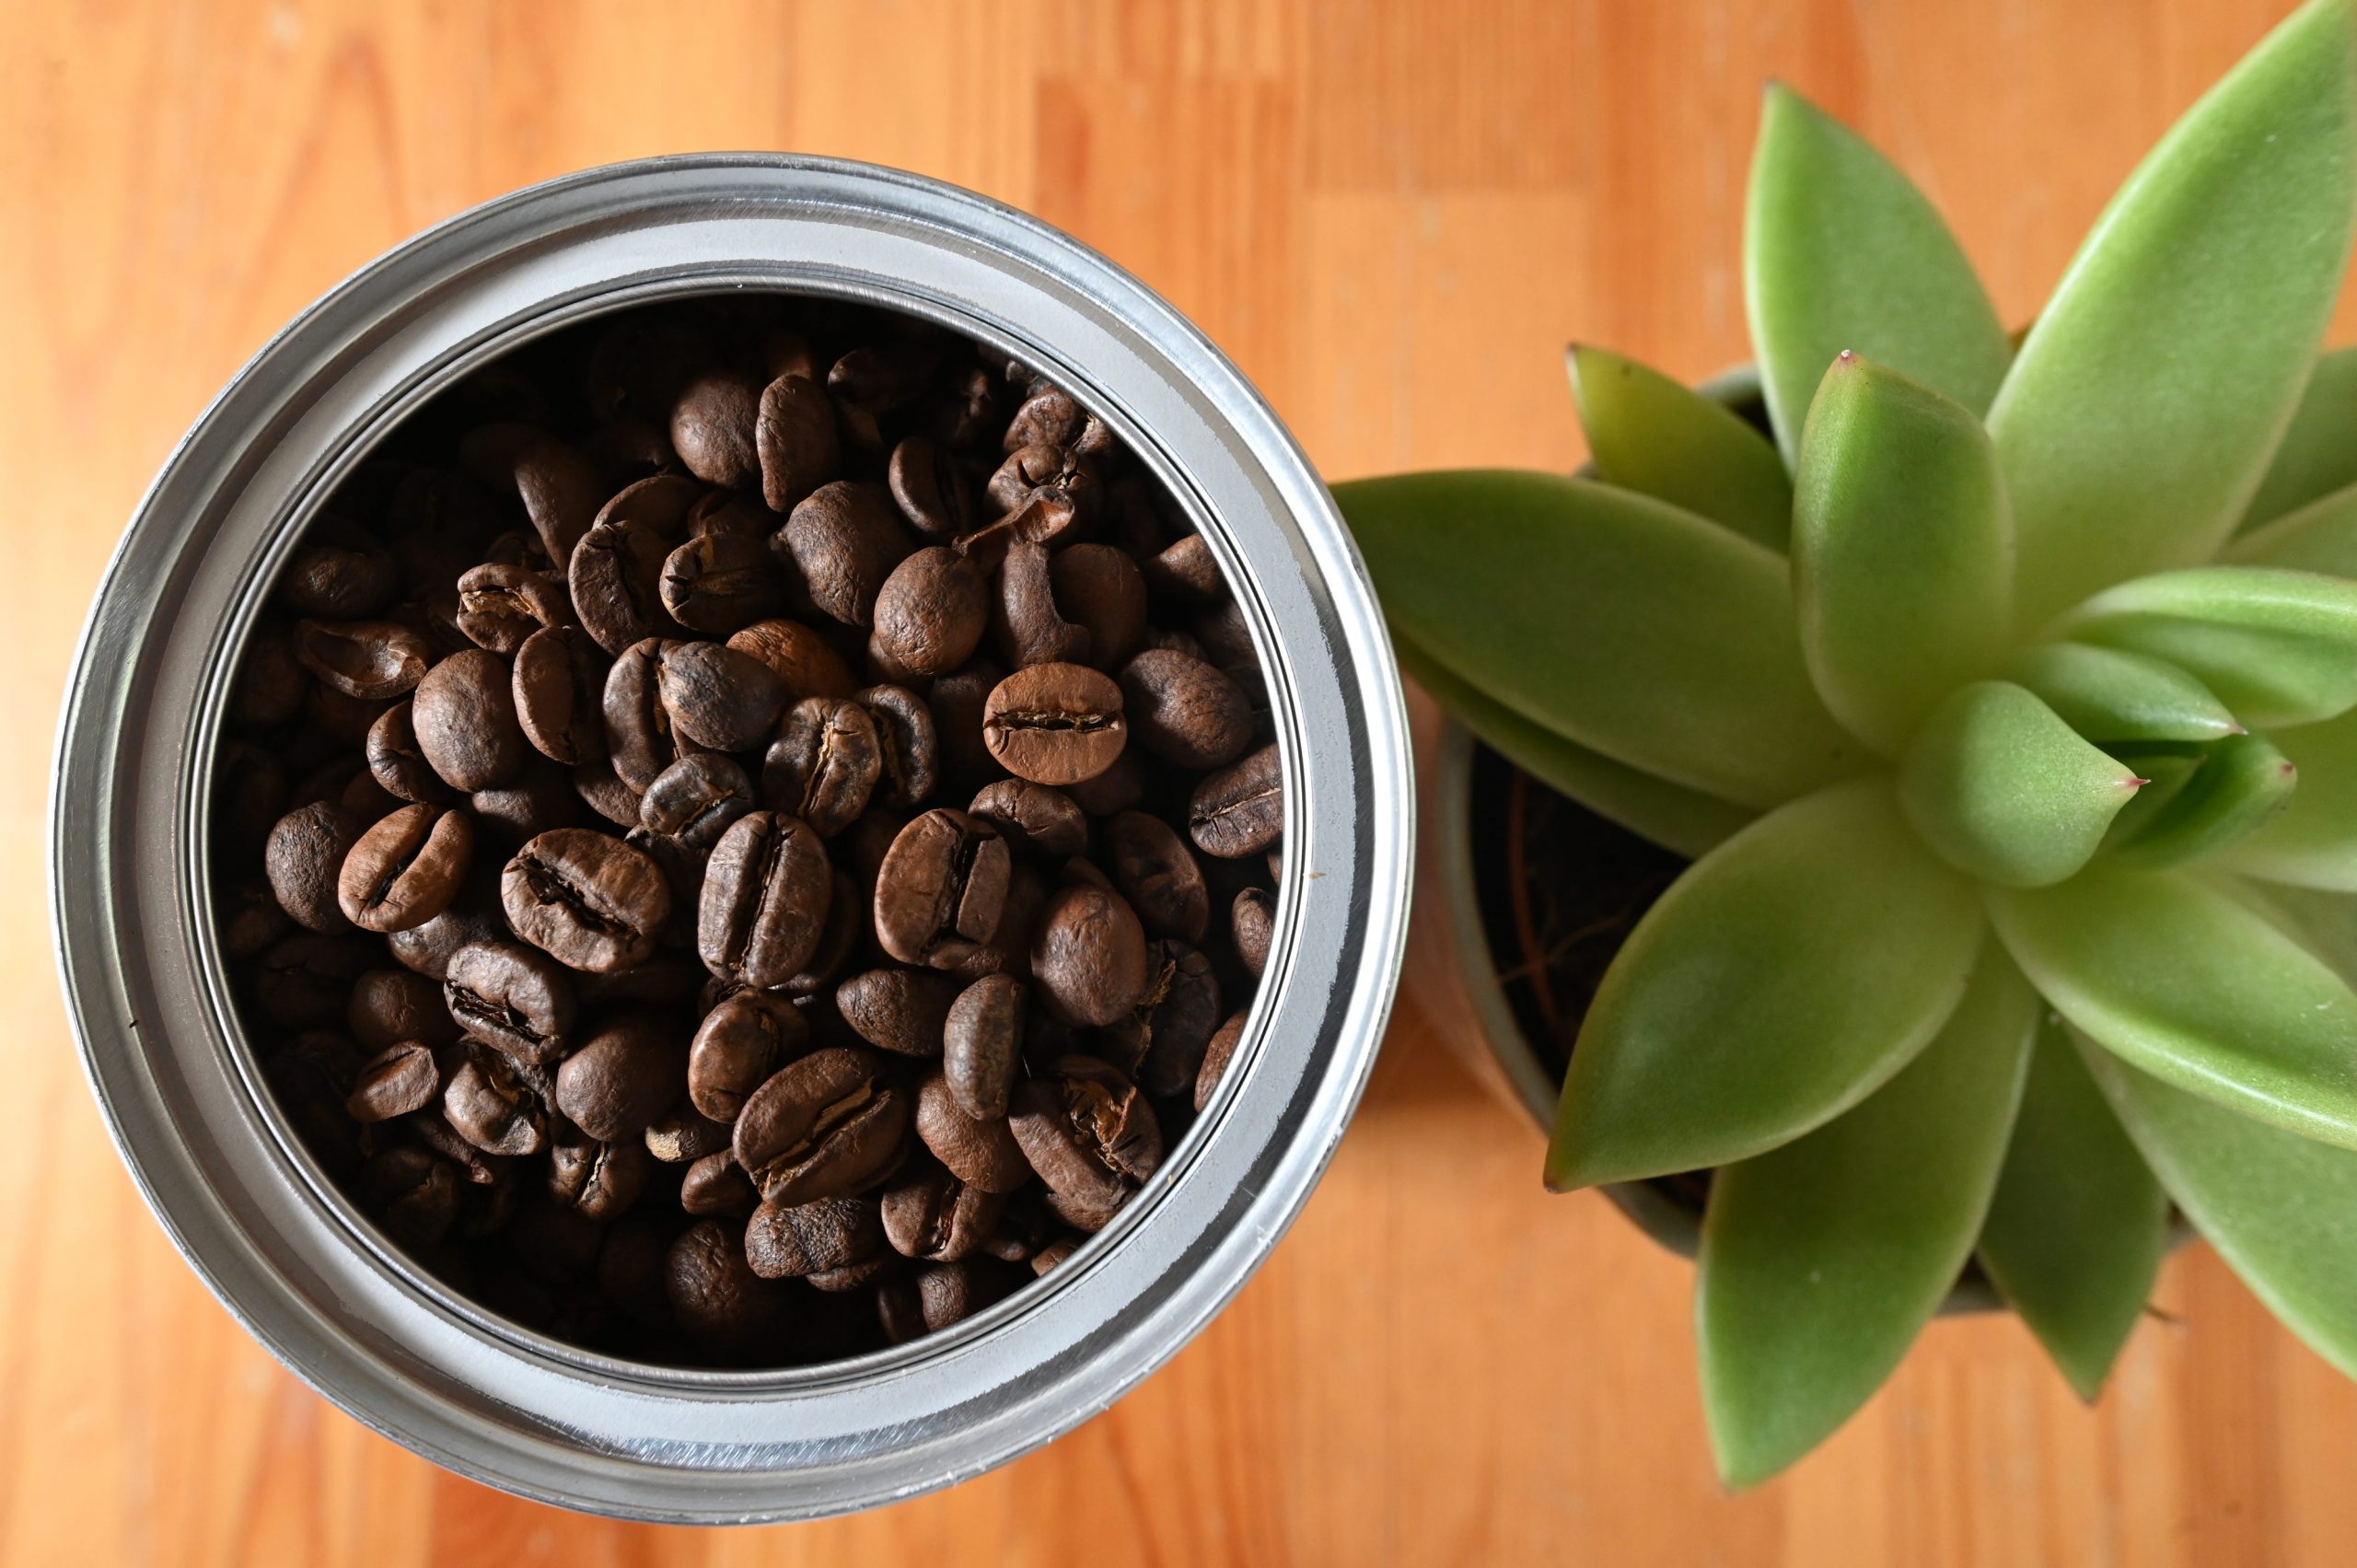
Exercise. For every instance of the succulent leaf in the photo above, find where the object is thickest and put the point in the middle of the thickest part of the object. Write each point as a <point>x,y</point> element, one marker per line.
<point>1648,432</point>
<point>2242,781</point>
<point>2079,1223</point>
<point>2312,841</point>
<point>1902,551</point>
<point>2196,987</point>
<point>2277,647</point>
<point>2280,1208</point>
<point>2006,791</point>
<point>2137,421</point>
<point>2166,775</point>
<point>1821,1260</point>
<point>1842,251</point>
<point>1678,819</point>
<point>1783,978</point>
<point>1627,625</point>
<point>2109,695</point>
<point>2319,537</point>
<point>2317,456</point>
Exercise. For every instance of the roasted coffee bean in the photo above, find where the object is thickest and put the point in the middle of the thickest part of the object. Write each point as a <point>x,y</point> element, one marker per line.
<point>1156,872</point>
<point>395,761</point>
<point>1043,469</point>
<point>845,539</point>
<point>1023,1227</point>
<point>623,1075</point>
<point>305,860</point>
<point>1055,724</point>
<point>501,605</point>
<point>721,583</point>
<point>1048,416</point>
<point>847,929</point>
<point>1239,810</point>
<point>951,1292</point>
<point>938,1218</point>
<point>1033,816</point>
<point>957,701</point>
<point>464,715</point>
<point>658,504</point>
<point>982,1044</point>
<point>901,1011</point>
<point>1175,1019</point>
<point>930,491</point>
<point>1100,588</point>
<point>249,919</point>
<point>824,764</point>
<point>639,737</point>
<point>602,791</point>
<point>696,799</point>
<point>716,1184</point>
<point>496,1104</point>
<point>515,999</point>
<point>765,896</point>
<point>617,585</point>
<point>900,1310</point>
<point>713,429</point>
<point>740,1044</point>
<point>391,1005</point>
<point>932,611</point>
<point>982,1153</point>
<point>428,948</point>
<point>909,742</point>
<point>1216,1056</point>
<point>1249,923</point>
<point>715,1293</point>
<point>559,687</point>
<point>340,572</point>
<point>716,697</point>
<point>1046,518</point>
<point>683,1134</point>
<point>396,1081</point>
<point>796,440</point>
<point>1087,1131</point>
<point>831,1123</point>
<point>556,484</point>
<point>412,1192</point>
<point>272,682</point>
<point>798,656</point>
<point>586,899</point>
<point>1088,956</point>
<point>594,1179</point>
<point>940,889</point>
<point>1055,1252</point>
<point>372,660</point>
<point>1183,711</point>
<point>1186,571</point>
<point>539,800</point>
<point>406,869</point>
<point>822,1236</point>
<point>1031,628</point>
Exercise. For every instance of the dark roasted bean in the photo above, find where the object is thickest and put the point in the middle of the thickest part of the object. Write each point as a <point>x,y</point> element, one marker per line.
<point>513,998</point>
<point>617,584</point>
<point>304,859</point>
<point>406,869</point>
<point>982,1152</point>
<point>910,743</point>
<point>716,1184</point>
<point>822,1236</point>
<point>623,1075</point>
<point>1033,816</point>
<point>901,1011</point>
<point>586,899</point>
<point>1055,724</point>
<point>464,715</point>
<point>1088,956</point>
<point>496,1104</point>
<point>798,656</point>
<point>396,1081</point>
<point>940,889</point>
<point>716,697</point>
<point>683,1134</point>
<point>715,1293</point>
<point>831,1123</point>
<point>1183,711</point>
<point>932,611</point>
<point>845,539</point>
<point>938,1218</point>
<point>1087,1131</point>
<point>824,763</point>
<point>930,491</point>
<point>1239,810</point>
<point>713,429</point>
<point>1216,1057</point>
<point>982,1044</point>
<point>740,1044</point>
<point>765,896</point>
<point>500,606</point>
<point>721,583</point>
<point>795,438</point>
<point>397,763</point>
<point>1249,923</point>
<point>696,799</point>
<point>372,660</point>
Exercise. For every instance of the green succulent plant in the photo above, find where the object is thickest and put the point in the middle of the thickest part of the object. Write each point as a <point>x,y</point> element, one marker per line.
<point>2003,696</point>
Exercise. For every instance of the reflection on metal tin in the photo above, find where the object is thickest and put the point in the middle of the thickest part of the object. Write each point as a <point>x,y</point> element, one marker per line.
<point>146,989</point>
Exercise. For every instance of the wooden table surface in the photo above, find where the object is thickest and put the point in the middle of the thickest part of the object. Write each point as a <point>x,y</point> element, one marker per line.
<point>1392,215</point>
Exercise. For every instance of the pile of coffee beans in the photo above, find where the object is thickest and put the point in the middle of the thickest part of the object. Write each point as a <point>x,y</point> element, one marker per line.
<point>748,832</point>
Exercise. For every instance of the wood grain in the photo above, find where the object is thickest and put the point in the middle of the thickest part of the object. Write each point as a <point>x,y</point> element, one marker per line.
<point>1393,215</point>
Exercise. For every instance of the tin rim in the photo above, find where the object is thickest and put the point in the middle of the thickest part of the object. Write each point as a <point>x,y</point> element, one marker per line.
<point>291,1258</point>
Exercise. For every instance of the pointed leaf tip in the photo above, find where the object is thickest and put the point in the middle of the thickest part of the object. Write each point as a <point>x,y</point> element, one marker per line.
<point>2007,792</point>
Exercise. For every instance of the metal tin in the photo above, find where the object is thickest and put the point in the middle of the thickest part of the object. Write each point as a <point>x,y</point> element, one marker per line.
<point>313,1279</point>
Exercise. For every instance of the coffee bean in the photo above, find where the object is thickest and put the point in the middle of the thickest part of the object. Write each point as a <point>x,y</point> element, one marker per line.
<point>496,1104</point>
<point>1042,469</point>
<point>796,436</point>
<point>617,585</point>
<point>1100,589</point>
<point>1183,711</point>
<point>586,899</point>
<point>982,1152</point>
<point>714,427</point>
<point>1249,923</point>
<point>411,1193</point>
<point>510,997</point>
<point>1047,417</point>
<point>1088,956</point>
<point>909,741</point>
<point>1239,810</point>
<point>931,612</point>
<point>1156,872</point>
<point>623,1075</point>
<point>397,763</point>
<point>372,660</point>
<point>1055,1252</point>
<point>1032,817</point>
<point>1046,518</point>
<point>340,572</point>
<point>1216,1056</point>
<point>696,799</point>
<point>798,656</point>
<point>305,860</point>
<point>722,583</point>
<point>930,491</point>
<point>1030,628</point>
<point>715,1293</point>
<point>940,889</point>
<point>639,736</point>
<point>1087,1131</point>
<point>658,504</point>
<point>406,869</point>
<point>716,1184</point>
<point>845,539</point>
<point>501,605</point>
<point>596,1179</point>
<point>602,791</point>
<point>464,715</point>
<point>765,898</point>
<point>824,764</point>
<point>1175,1019</point>
<point>847,929</point>
<point>388,1006</point>
<point>428,948</point>
<point>396,1081</point>
<point>736,1047</point>
<point>982,1043</point>
<point>683,1134</point>
<point>832,1124</point>
<point>901,1011</point>
<point>556,484</point>
<point>938,1218</point>
<point>818,1238</point>
<point>716,697</point>
<point>1187,572</point>
<point>1055,724</point>
<point>559,686</point>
